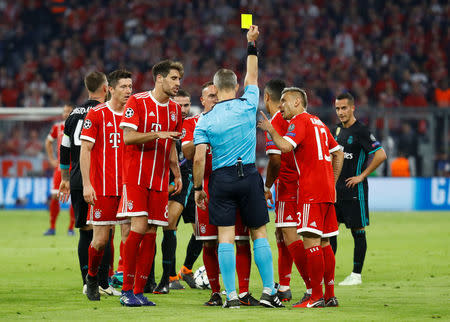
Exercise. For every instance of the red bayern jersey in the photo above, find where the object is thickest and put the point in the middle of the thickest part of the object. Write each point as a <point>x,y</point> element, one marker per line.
<point>188,136</point>
<point>101,126</point>
<point>57,133</point>
<point>313,144</point>
<point>287,183</point>
<point>147,164</point>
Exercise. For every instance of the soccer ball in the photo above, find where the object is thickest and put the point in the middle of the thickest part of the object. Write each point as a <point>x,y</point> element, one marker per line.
<point>201,279</point>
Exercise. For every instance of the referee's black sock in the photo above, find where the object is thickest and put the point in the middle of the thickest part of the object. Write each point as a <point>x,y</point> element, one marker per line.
<point>359,252</point>
<point>192,252</point>
<point>103,270</point>
<point>333,242</point>
<point>168,249</point>
<point>83,251</point>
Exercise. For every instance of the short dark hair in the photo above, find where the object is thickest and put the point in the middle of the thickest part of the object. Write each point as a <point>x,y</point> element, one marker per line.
<point>94,80</point>
<point>183,93</point>
<point>347,96</point>
<point>299,91</point>
<point>207,84</point>
<point>163,68</point>
<point>225,79</point>
<point>115,76</point>
<point>274,87</point>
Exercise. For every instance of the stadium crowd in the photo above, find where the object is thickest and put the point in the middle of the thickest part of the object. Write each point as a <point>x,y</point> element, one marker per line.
<point>388,53</point>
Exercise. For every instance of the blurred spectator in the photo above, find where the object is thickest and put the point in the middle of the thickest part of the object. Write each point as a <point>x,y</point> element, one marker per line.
<point>400,166</point>
<point>408,144</point>
<point>14,145</point>
<point>416,97</point>
<point>33,146</point>
<point>442,94</point>
<point>358,45</point>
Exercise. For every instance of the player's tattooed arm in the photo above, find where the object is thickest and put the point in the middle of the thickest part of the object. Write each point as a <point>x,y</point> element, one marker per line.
<point>337,162</point>
<point>282,144</point>
<point>175,168</point>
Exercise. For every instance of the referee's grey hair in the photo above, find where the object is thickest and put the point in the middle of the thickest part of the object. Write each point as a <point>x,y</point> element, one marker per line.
<point>225,79</point>
<point>302,93</point>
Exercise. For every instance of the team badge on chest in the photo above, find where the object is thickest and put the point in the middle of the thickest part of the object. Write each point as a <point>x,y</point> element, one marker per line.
<point>173,117</point>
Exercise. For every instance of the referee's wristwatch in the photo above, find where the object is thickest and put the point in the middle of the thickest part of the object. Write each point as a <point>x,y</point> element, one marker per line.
<point>199,188</point>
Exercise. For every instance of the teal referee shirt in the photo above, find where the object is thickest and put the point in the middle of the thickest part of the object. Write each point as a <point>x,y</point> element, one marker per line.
<point>230,129</point>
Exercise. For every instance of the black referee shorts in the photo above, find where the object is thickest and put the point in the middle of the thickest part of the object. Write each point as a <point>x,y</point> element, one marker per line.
<point>229,192</point>
<point>353,213</point>
<point>80,207</point>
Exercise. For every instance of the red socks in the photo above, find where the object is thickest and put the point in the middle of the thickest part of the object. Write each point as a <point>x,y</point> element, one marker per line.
<point>54,212</point>
<point>95,257</point>
<point>284,264</point>
<point>328,275</point>
<point>315,265</point>
<point>120,265</point>
<point>72,218</point>
<point>130,248</point>
<point>243,265</point>
<point>298,253</point>
<point>211,262</point>
<point>143,262</point>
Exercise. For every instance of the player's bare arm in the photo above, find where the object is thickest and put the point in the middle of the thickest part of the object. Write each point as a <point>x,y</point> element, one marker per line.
<point>337,161</point>
<point>188,149</point>
<point>175,168</point>
<point>85,167</point>
<point>251,78</point>
<point>50,153</point>
<point>282,144</point>
<point>273,169</point>
<point>199,172</point>
<point>378,158</point>
<point>131,136</point>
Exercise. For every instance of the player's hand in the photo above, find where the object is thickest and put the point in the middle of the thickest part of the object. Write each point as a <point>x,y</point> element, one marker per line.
<point>64,191</point>
<point>353,181</point>
<point>264,123</point>
<point>171,188</point>
<point>178,185</point>
<point>54,163</point>
<point>89,194</point>
<point>169,135</point>
<point>269,197</point>
<point>201,200</point>
<point>252,33</point>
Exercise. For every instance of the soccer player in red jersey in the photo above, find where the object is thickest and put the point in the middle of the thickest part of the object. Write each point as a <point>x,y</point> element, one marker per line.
<point>101,168</point>
<point>281,171</point>
<point>318,160</point>
<point>151,121</point>
<point>208,233</point>
<point>57,133</point>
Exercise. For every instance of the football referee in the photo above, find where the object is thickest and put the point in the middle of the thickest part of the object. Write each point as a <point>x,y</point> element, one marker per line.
<point>230,129</point>
<point>352,207</point>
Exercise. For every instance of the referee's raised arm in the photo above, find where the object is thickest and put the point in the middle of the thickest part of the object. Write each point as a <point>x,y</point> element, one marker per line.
<point>251,78</point>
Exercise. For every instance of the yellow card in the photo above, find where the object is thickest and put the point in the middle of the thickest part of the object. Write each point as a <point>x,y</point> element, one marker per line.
<point>246,21</point>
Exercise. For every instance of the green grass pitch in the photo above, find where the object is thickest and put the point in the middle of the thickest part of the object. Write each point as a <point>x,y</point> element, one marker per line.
<point>406,276</point>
